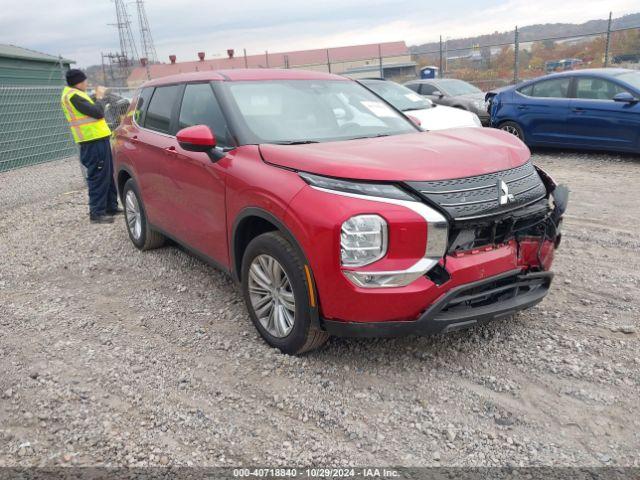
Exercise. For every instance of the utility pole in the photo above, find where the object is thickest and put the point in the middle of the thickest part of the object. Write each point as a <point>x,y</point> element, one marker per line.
<point>441,64</point>
<point>328,62</point>
<point>380,60</point>
<point>146,40</point>
<point>516,57</point>
<point>608,43</point>
<point>245,58</point>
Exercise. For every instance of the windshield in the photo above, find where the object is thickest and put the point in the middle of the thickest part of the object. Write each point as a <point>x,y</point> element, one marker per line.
<point>457,87</point>
<point>303,111</point>
<point>400,97</point>
<point>632,78</point>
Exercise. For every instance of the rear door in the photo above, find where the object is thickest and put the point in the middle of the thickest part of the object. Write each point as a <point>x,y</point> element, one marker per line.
<point>155,144</point>
<point>595,120</point>
<point>196,185</point>
<point>542,109</point>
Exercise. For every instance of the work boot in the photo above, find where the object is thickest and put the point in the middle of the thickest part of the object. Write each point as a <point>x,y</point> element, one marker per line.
<point>100,219</point>
<point>117,211</point>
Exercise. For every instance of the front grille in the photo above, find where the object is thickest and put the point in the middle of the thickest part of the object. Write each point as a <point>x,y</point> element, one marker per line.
<point>478,197</point>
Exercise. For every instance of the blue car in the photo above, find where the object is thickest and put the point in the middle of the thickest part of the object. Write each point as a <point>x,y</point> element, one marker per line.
<point>595,109</point>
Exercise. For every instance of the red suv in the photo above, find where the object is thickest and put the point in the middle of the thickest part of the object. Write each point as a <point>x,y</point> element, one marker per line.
<point>334,212</point>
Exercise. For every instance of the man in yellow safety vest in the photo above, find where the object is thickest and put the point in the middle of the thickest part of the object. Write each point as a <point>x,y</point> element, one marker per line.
<point>91,132</point>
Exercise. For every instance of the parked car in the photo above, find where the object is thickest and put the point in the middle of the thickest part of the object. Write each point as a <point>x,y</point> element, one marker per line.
<point>594,109</point>
<point>336,214</point>
<point>453,93</point>
<point>421,108</point>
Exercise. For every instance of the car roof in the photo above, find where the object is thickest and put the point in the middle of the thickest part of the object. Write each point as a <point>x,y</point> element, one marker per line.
<point>243,74</point>
<point>588,72</point>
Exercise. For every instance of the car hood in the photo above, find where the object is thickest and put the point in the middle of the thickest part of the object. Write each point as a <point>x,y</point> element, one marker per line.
<point>422,156</point>
<point>440,117</point>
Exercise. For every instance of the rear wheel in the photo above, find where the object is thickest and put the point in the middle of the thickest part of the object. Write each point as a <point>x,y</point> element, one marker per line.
<point>141,235</point>
<point>513,128</point>
<point>276,293</point>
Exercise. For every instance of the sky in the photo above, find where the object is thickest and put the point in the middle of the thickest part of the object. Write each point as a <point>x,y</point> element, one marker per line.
<point>80,30</point>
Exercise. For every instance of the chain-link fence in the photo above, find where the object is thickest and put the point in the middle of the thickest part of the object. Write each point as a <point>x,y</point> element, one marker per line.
<point>492,65</point>
<point>33,128</point>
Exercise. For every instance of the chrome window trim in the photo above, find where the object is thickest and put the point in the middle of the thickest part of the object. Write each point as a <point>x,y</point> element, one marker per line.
<point>434,220</point>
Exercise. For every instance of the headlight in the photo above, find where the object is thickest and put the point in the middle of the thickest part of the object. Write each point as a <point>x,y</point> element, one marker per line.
<point>476,120</point>
<point>383,190</point>
<point>363,240</point>
<point>479,104</point>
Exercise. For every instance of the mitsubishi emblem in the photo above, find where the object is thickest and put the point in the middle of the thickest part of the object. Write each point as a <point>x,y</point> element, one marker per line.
<point>504,196</point>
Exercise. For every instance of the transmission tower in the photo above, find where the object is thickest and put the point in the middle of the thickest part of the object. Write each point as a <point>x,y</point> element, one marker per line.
<point>123,23</point>
<point>146,40</point>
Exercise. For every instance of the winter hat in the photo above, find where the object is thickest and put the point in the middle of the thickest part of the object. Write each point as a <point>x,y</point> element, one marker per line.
<point>75,76</point>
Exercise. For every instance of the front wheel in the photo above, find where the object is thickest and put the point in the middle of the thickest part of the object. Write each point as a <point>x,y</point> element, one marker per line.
<point>513,128</point>
<point>140,233</point>
<point>276,293</point>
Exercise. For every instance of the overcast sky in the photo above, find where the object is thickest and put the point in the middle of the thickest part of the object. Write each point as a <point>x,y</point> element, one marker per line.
<point>80,31</point>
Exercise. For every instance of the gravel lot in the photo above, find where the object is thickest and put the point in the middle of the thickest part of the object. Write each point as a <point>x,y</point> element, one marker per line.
<point>109,356</point>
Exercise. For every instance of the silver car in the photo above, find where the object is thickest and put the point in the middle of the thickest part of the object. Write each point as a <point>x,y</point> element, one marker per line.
<point>453,93</point>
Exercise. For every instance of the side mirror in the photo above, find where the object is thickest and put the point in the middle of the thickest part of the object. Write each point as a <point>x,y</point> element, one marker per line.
<point>437,93</point>
<point>625,97</point>
<point>199,138</point>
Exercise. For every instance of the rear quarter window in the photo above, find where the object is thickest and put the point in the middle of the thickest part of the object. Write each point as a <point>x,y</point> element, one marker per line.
<point>142,103</point>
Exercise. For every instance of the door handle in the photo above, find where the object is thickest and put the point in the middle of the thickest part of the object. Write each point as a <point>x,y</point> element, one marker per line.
<point>134,139</point>
<point>522,107</point>
<point>171,150</point>
<point>577,110</point>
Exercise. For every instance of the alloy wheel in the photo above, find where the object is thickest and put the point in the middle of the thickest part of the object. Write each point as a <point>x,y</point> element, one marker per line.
<point>134,217</point>
<point>271,295</point>
<point>512,130</point>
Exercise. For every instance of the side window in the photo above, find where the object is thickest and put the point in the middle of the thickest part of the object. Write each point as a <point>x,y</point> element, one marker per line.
<point>528,90</point>
<point>597,89</point>
<point>413,86</point>
<point>158,116</point>
<point>554,88</point>
<point>427,89</point>
<point>141,105</point>
<point>200,107</point>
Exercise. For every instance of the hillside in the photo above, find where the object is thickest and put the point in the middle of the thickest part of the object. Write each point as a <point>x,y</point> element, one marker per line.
<point>534,32</point>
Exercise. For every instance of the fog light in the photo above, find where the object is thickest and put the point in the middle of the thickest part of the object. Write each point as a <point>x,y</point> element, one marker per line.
<point>363,240</point>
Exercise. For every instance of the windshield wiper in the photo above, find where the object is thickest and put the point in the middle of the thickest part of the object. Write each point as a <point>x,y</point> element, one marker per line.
<point>295,142</point>
<point>410,109</point>
<point>371,136</point>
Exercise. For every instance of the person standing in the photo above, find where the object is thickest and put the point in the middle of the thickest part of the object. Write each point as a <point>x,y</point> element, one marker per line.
<point>91,132</point>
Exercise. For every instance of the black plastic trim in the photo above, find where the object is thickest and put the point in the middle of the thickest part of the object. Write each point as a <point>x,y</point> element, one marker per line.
<point>432,321</point>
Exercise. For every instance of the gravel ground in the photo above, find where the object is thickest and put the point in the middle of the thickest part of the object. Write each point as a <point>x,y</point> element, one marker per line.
<point>110,356</point>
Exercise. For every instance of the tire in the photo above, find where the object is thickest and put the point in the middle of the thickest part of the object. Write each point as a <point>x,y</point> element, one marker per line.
<point>513,128</point>
<point>283,317</point>
<point>140,233</point>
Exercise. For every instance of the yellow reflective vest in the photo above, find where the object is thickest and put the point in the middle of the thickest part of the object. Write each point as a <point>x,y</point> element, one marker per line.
<point>83,127</point>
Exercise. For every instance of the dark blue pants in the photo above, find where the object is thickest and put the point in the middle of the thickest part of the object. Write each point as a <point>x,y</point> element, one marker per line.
<point>96,158</point>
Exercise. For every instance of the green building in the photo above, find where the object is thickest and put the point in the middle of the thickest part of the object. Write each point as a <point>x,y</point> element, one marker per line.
<point>22,67</point>
<point>32,126</point>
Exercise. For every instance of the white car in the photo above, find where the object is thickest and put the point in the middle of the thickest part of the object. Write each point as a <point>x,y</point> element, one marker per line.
<point>430,115</point>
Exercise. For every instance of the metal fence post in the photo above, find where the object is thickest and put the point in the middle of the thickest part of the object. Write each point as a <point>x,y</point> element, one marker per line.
<point>245,58</point>
<point>380,60</point>
<point>516,56</point>
<point>608,43</point>
<point>328,61</point>
<point>440,69</point>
